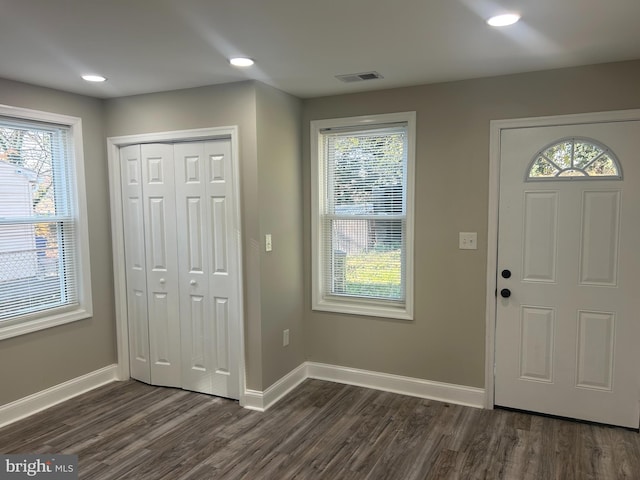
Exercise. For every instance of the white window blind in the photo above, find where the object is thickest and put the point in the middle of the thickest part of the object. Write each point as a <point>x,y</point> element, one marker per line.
<point>363,213</point>
<point>38,221</point>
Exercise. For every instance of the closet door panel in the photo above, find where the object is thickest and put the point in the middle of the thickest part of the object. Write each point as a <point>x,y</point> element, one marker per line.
<point>223,272</point>
<point>135,262</point>
<point>220,235</point>
<point>193,261</point>
<point>162,266</point>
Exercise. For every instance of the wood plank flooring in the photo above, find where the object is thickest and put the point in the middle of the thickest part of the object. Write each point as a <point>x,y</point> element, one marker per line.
<point>321,430</point>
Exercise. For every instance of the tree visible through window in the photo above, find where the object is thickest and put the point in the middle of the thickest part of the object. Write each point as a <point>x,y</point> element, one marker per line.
<point>362,214</point>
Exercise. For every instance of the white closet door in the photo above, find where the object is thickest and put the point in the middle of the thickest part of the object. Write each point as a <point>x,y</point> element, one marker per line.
<point>161,262</point>
<point>133,218</point>
<point>208,275</point>
<point>223,268</point>
<point>195,311</point>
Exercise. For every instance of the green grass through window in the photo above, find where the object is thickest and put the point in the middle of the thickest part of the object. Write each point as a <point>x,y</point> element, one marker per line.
<point>374,274</point>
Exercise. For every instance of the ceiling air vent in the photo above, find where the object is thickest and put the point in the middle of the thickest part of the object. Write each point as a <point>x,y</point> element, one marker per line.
<point>359,77</point>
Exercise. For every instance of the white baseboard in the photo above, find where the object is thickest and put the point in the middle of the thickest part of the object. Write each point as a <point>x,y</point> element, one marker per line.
<point>252,400</point>
<point>23,407</point>
<point>255,399</point>
<point>415,387</point>
<point>260,401</point>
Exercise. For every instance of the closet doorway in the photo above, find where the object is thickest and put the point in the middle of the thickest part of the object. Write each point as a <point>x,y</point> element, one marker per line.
<point>177,259</point>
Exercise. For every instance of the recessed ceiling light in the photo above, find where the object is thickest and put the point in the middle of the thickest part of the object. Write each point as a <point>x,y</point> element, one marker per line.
<point>241,62</point>
<point>94,78</point>
<point>503,20</point>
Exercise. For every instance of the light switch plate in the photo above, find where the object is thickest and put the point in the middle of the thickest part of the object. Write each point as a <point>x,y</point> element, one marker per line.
<point>468,241</point>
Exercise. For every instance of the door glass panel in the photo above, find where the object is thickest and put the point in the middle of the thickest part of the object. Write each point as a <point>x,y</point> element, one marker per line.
<point>560,154</point>
<point>543,168</point>
<point>604,166</point>
<point>571,173</point>
<point>585,153</point>
<point>574,158</point>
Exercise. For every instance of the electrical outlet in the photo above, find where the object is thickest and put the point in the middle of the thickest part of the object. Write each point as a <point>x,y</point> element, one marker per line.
<point>285,337</point>
<point>267,243</point>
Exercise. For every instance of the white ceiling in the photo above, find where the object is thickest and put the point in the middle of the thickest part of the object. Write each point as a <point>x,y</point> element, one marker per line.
<point>300,45</point>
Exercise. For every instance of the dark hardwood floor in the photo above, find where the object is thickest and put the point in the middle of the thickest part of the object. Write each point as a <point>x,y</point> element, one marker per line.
<point>128,430</point>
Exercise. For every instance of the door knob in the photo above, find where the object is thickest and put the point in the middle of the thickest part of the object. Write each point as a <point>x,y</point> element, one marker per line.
<point>505,293</point>
<point>162,281</point>
<point>506,273</point>
<point>193,282</point>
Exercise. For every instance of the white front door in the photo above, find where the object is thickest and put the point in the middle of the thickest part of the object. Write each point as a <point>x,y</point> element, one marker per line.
<point>568,296</point>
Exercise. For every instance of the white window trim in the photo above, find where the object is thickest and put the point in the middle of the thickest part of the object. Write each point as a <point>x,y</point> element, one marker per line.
<point>359,306</point>
<point>53,317</point>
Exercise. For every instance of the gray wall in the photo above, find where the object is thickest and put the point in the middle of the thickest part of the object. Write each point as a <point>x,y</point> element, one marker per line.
<point>280,191</point>
<point>33,362</point>
<point>261,160</point>
<point>446,340</point>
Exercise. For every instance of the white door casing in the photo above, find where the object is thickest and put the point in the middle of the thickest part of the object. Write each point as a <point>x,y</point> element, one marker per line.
<point>232,368</point>
<point>565,339</point>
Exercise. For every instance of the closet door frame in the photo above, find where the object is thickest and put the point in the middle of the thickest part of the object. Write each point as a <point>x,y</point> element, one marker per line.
<point>117,235</point>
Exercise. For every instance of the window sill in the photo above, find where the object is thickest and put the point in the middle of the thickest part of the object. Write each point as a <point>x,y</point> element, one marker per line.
<point>364,308</point>
<point>15,328</point>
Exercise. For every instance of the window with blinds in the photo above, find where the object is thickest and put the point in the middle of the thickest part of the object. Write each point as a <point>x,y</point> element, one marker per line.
<point>41,265</point>
<point>362,215</point>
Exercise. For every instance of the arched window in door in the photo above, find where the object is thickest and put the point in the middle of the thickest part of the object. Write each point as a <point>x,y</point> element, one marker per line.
<point>574,159</point>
